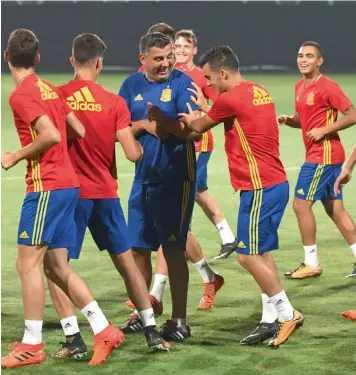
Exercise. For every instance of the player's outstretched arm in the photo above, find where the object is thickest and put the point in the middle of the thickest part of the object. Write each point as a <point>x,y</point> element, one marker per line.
<point>75,129</point>
<point>47,136</point>
<point>346,173</point>
<point>291,121</point>
<point>198,98</point>
<point>172,126</point>
<point>348,119</point>
<point>132,149</point>
<point>195,122</point>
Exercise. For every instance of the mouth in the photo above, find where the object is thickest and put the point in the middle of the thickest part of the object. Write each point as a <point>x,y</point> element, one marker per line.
<point>304,66</point>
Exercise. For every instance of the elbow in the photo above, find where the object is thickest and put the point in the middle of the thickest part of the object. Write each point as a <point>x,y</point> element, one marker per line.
<point>135,155</point>
<point>55,138</point>
<point>81,133</point>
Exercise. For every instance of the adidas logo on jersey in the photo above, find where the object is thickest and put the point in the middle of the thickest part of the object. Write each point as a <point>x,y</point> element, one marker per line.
<point>300,191</point>
<point>138,97</point>
<point>172,238</point>
<point>46,92</point>
<point>261,97</point>
<point>83,100</point>
<point>241,245</point>
<point>24,235</point>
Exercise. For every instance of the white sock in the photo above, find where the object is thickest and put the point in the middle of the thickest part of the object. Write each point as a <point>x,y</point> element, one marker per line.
<point>283,306</point>
<point>311,256</point>
<point>269,312</point>
<point>70,326</point>
<point>353,248</point>
<point>147,317</point>
<point>207,274</point>
<point>180,322</point>
<point>95,317</point>
<point>225,232</point>
<point>33,332</point>
<point>159,286</point>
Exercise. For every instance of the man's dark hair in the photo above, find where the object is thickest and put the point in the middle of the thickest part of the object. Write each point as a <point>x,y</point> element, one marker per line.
<point>220,57</point>
<point>152,40</point>
<point>87,47</point>
<point>22,48</point>
<point>315,45</point>
<point>187,35</point>
<point>162,28</point>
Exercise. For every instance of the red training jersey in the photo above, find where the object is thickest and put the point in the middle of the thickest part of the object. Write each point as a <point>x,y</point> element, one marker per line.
<point>251,136</point>
<point>52,169</point>
<point>318,105</point>
<point>102,113</point>
<point>206,144</point>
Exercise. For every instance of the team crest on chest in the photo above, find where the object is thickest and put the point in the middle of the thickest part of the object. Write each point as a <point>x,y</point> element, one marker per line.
<point>166,95</point>
<point>310,98</point>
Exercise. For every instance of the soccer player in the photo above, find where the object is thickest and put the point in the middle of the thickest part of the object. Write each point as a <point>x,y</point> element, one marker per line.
<point>185,50</point>
<point>212,281</point>
<point>162,195</point>
<point>47,226</point>
<point>252,148</point>
<point>106,118</point>
<point>342,180</point>
<point>318,99</point>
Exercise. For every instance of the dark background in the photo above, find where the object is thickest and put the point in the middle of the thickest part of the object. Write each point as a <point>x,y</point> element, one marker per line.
<point>265,35</point>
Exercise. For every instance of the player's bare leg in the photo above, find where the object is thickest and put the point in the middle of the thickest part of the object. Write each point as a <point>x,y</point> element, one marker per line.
<point>307,227</point>
<point>143,261</point>
<point>338,214</point>
<point>213,212</point>
<point>212,281</point>
<point>74,347</point>
<point>264,272</point>
<point>30,350</point>
<point>176,329</point>
<point>57,269</point>
<point>138,292</point>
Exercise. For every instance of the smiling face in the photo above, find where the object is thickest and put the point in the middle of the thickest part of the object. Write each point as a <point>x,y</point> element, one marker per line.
<point>185,50</point>
<point>216,78</point>
<point>309,60</point>
<point>158,63</point>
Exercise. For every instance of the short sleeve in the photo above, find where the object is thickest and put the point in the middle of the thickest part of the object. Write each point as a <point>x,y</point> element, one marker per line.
<point>124,92</point>
<point>123,115</point>
<point>336,98</point>
<point>222,108</point>
<point>183,96</point>
<point>210,92</point>
<point>26,107</point>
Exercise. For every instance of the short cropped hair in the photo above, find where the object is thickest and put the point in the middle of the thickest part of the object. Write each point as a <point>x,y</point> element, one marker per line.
<point>152,40</point>
<point>187,35</point>
<point>220,57</point>
<point>163,28</point>
<point>315,45</point>
<point>22,48</point>
<point>86,47</point>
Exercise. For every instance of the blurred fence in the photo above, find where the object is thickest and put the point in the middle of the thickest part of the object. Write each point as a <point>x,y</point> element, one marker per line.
<point>265,35</point>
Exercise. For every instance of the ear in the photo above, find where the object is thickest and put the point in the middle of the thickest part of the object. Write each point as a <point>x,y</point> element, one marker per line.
<point>320,61</point>
<point>142,58</point>
<point>224,74</point>
<point>195,51</point>
<point>38,58</point>
<point>72,61</point>
<point>6,56</point>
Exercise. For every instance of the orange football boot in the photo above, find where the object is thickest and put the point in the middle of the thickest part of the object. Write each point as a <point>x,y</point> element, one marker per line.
<point>23,355</point>
<point>210,290</point>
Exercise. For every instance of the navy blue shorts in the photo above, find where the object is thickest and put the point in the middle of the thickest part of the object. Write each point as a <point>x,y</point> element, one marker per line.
<point>47,218</point>
<point>202,171</point>
<point>106,222</point>
<point>316,182</point>
<point>159,214</point>
<point>260,214</point>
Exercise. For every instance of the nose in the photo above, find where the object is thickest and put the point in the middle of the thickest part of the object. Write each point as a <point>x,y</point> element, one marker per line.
<point>165,63</point>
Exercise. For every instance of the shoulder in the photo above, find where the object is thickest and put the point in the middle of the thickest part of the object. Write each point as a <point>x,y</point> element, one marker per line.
<point>326,82</point>
<point>180,77</point>
<point>298,84</point>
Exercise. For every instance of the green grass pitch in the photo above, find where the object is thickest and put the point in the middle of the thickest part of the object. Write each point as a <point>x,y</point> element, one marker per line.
<point>326,343</point>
